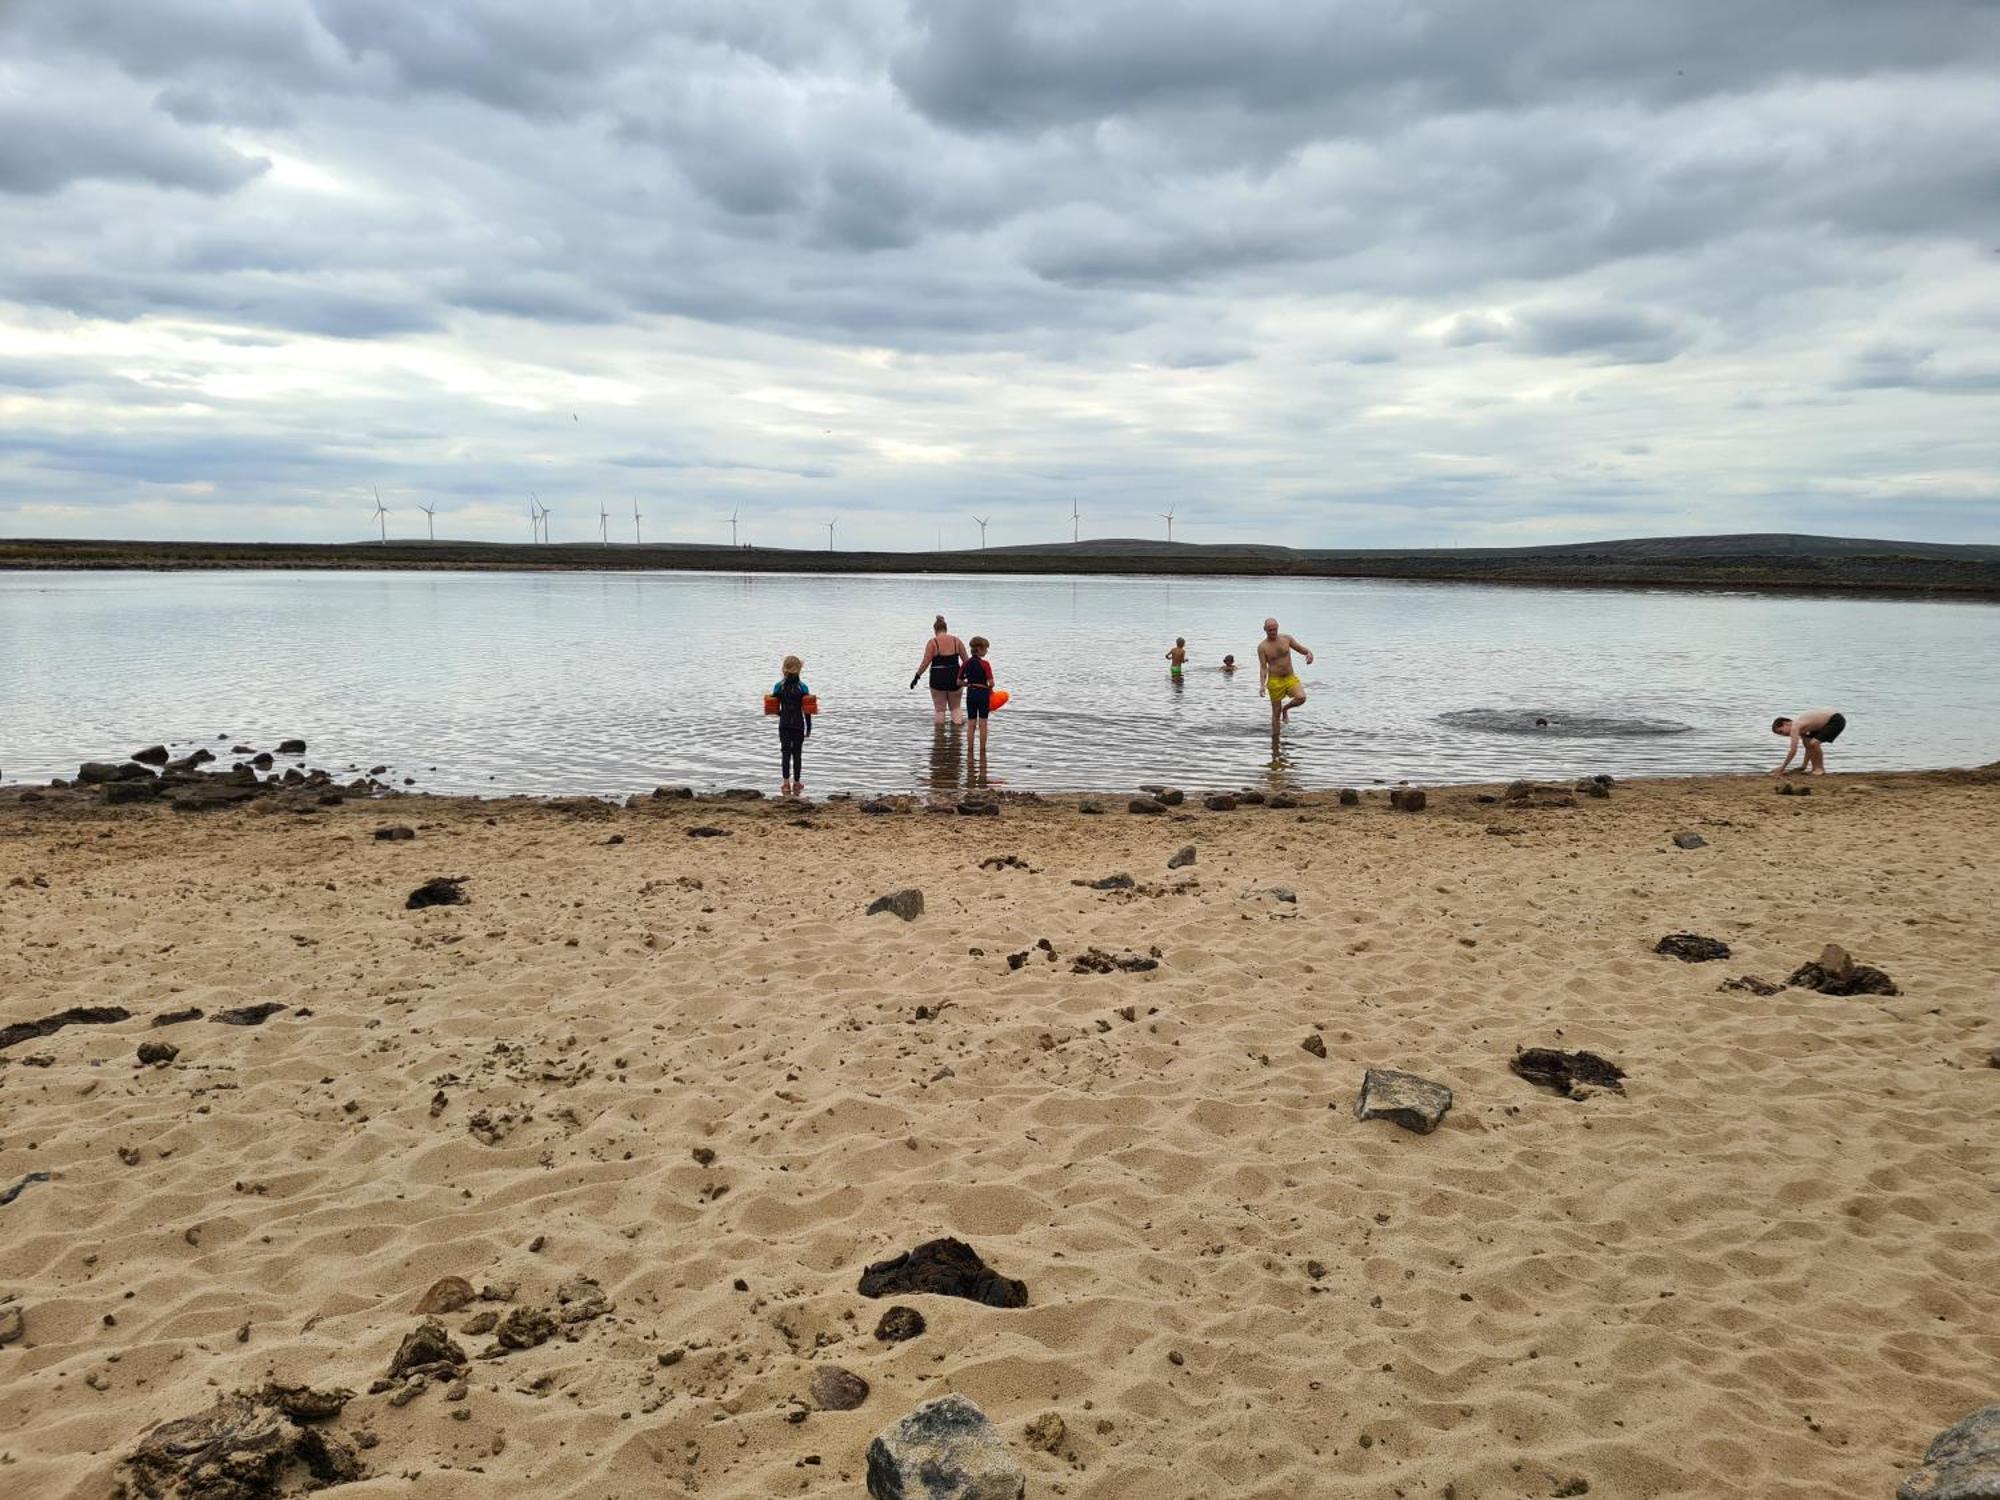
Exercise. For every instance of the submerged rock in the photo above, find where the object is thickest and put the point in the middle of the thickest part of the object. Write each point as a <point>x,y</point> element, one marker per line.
<point>943,1268</point>
<point>944,1450</point>
<point>1403,1099</point>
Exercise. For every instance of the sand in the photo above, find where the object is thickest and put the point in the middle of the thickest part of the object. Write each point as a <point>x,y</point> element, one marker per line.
<point>1768,1268</point>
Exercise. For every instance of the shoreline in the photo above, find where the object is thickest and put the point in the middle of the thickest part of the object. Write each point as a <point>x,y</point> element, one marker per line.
<point>272,791</point>
<point>1783,564</point>
<point>667,1048</point>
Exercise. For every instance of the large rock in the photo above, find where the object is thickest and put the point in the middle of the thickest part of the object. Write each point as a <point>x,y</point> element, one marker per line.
<point>944,1450</point>
<point>119,792</point>
<point>907,904</point>
<point>240,1449</point>
<point>1402,1098</point>
<point>1181,857</point>
<point>291,747</point>
<point>1690,841</point>
<point>1143,806</point>
<point>1408,798</point>
<point>152,755</point>
<point>1836,973</point>
<point>943,1268</point>
<point>1571,1074</point>
<point>98,772</point>
<point>1962,1462</point>
<point>1219,802</point>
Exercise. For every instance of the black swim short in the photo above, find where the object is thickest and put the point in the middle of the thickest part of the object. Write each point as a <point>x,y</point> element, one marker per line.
<point>978,702</point>
<point>1828,732</point>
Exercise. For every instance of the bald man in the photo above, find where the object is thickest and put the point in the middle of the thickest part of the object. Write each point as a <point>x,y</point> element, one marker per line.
<point>1275,674</point>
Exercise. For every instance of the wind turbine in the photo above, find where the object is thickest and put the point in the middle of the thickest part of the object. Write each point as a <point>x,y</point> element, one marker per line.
<point>982,520</point>
<point>1168,517</point>
<point>430,519</point>
<point>603,523</point>
<point>1075,522</point>
<point>534,521</point>
<point>545,521</point>
<point>732,526</point>
<point>382,515</point>
<point>829,532</point>
<point>635,520</point>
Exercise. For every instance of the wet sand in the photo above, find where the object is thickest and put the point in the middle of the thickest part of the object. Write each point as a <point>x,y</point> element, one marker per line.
<point>1767,1268</point>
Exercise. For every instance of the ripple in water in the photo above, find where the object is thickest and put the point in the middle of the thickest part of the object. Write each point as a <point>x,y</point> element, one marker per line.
<point>1557,723</point>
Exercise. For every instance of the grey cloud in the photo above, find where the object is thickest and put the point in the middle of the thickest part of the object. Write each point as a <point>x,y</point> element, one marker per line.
<point>46,147</point>
<point>1889,368</point>
<point>1615,335</point>
<point>1034,64</point>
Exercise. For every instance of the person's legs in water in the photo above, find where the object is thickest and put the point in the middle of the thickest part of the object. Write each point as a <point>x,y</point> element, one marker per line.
<point>940,701</point>
<point>1296,697</point>
<point>956,699</point>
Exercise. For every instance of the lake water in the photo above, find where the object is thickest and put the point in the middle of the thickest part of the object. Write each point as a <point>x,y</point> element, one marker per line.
<point>609,683</point>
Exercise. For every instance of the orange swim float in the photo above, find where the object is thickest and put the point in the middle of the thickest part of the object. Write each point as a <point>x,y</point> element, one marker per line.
<point>810,706</point>
<point>999,699</point>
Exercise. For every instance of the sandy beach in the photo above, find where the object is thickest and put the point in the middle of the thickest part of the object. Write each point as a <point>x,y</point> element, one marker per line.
<point>694,1071</point>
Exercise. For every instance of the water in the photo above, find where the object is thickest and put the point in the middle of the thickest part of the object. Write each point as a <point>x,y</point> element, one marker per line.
<point>610,683</point>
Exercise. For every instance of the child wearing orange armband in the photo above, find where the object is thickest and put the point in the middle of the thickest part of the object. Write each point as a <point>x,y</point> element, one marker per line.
<point>795,724</point>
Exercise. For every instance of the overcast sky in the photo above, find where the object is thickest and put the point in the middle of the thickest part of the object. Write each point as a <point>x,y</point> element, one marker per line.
<point>1353,272</point>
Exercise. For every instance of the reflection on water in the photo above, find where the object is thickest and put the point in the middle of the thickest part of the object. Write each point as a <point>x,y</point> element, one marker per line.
<point>607,683</point>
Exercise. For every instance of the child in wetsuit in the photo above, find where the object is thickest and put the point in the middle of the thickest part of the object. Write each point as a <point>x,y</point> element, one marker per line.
<point>978,677</point>
<point>794,724</point>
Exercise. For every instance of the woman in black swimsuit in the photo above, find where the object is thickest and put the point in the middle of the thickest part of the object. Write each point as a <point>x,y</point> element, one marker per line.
<point>944,659</point>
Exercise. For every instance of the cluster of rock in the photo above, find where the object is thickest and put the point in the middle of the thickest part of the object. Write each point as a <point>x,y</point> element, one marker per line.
<point>155,775</point>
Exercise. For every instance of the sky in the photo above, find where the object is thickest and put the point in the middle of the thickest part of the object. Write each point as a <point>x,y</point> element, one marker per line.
<point>1320,272</point>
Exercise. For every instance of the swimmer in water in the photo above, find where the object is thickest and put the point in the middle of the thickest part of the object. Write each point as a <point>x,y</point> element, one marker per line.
<point>1177,657</point>
<point>1228,666</point>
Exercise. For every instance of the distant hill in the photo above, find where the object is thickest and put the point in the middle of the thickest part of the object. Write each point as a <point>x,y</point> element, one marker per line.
<point>1775,560</point>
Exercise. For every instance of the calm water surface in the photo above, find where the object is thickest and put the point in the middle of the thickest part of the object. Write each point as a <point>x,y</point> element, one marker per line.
<point>610,683</point>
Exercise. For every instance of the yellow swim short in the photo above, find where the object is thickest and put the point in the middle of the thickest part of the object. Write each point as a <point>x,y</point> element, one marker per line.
<point>1281,687</point>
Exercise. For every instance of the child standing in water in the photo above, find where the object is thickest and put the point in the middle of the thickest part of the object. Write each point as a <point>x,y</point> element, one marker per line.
<point>1177,658</point>
<point>978,695</point>
<point>795,725</point>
